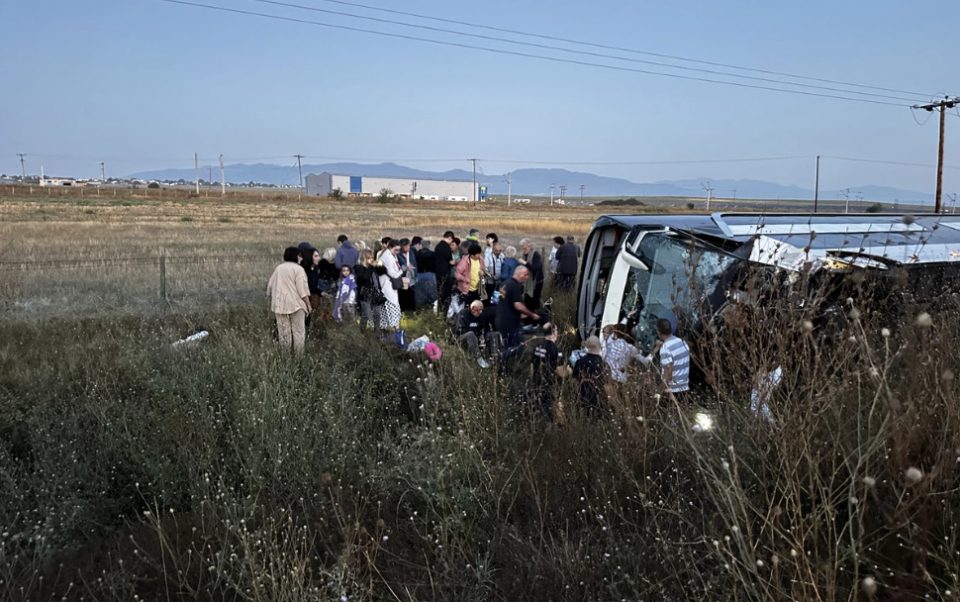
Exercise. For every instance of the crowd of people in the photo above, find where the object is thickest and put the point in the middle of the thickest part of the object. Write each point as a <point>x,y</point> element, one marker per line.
<point>489,292</point>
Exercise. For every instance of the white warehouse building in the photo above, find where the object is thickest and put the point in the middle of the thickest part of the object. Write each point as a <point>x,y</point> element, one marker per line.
<point>420,188</point>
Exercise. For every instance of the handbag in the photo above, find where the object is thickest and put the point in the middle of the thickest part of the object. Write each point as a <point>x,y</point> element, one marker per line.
<point>377,298</point>
<point>397,283</point>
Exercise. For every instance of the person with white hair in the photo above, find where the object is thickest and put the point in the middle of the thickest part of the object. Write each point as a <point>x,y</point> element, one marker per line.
<point>591,372</point>
<point>510,263</point>
<point>475,324</point>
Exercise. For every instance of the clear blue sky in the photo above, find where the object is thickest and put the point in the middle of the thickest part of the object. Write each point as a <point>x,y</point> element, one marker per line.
<point>143,84</point>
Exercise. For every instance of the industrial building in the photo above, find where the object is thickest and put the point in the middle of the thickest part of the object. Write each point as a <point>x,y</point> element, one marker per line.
<point>369,186</point>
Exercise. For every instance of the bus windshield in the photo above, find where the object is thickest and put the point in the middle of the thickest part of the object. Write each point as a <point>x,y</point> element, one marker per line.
<point>681,278</point>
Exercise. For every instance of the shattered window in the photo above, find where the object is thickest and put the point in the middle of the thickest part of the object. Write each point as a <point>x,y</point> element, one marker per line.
<point>681,277</point>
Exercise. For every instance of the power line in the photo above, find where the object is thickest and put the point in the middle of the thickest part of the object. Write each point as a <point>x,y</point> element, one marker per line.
<point>526,54</point>
<point>580,52</point>
<point>621,48</point>
<point>885,162</point>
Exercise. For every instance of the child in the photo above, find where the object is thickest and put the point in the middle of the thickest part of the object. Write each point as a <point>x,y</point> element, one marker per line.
<point>509,265</point>
<point>344,306</point>
<point>590,372</point>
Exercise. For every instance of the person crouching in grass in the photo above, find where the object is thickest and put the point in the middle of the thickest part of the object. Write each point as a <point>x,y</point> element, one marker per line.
<point>345,303</point>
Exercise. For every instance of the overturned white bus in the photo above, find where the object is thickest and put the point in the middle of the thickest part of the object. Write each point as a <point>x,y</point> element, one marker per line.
<point>684,267</point>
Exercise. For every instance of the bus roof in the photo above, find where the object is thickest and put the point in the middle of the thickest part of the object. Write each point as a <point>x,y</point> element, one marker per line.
<point>788,239</point>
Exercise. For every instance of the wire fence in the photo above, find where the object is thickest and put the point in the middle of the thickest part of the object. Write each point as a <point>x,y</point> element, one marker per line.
<point>137,284</point>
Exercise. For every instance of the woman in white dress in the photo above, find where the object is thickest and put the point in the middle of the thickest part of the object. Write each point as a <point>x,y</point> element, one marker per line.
<point>389,312</point>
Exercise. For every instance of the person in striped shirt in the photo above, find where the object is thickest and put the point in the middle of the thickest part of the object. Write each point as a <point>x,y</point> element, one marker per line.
<point>674,361</point>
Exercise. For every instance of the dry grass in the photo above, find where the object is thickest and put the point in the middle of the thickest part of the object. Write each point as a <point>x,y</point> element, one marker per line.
<point>102,254</point>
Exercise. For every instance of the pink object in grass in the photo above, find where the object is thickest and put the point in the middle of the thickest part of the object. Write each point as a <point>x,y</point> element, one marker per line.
<point>433,351</point>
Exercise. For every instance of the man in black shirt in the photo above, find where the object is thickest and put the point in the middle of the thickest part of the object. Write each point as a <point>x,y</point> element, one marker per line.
<point>443,262</point>
<point>511,309</point>
<point>546,360</point>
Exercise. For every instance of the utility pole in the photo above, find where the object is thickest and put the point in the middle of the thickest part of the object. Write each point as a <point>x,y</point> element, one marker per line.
<point>708,187</point>
<point>23,167</point>
<point>223,182</point>
<point>103,172</point>
<point>942,106</point>
<point>196,172</point>
<point>582,186</point>
<point>816,187</point>
<point>563,191</point>
<point>299,158</point>
<point>551,194</point>
<point>846,200</point>
<point>509,188</point>
<point>474,161</point>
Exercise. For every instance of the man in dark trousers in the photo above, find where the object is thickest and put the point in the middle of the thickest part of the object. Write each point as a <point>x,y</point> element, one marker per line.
<point>443,262</point>
<point>566,266</point>
<point>546,370</point>
<point>533,261</point>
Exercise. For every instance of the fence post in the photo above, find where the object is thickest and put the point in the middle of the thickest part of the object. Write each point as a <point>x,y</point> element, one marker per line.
<point>163,277</point>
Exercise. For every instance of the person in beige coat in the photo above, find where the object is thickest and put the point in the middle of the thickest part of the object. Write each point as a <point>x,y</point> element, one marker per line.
<point>290,300</point>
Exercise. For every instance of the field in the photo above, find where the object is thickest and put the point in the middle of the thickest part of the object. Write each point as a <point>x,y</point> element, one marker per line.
<point>104,254</point>
<point>133,471</point>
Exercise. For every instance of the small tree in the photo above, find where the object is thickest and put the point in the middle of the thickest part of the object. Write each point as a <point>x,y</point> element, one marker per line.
<point>336,194</point>
<point>153,185</point>
<point>385,195</point>
<point>875,208</point>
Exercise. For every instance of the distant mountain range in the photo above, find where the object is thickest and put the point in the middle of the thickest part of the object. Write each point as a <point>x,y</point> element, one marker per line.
<point>537,182</point>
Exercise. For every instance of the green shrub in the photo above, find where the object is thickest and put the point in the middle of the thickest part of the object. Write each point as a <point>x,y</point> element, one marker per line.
<point>233,471</point>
